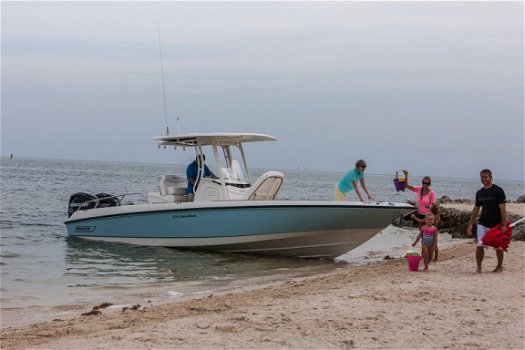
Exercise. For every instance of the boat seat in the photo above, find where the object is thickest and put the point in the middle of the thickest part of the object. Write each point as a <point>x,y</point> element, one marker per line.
<point>172,185</point>
<point>177,190</point>
<point>266,187</point>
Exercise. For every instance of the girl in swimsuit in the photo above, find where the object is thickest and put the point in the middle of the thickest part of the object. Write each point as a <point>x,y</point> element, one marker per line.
<point>428,233</point>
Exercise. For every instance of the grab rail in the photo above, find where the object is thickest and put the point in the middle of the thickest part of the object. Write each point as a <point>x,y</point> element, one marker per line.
<point>119,197</point>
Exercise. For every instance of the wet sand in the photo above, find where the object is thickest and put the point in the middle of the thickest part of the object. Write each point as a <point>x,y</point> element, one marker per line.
<point>377,306</point>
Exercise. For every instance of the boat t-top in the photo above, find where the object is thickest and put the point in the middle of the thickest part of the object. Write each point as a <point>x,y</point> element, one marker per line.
<point>228,212</point>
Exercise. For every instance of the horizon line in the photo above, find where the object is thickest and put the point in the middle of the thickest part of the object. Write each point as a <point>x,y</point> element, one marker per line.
<point>312,170</point>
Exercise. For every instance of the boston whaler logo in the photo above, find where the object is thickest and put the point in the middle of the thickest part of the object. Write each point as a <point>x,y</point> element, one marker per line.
<point>84,228</point>
<point>183,216</point>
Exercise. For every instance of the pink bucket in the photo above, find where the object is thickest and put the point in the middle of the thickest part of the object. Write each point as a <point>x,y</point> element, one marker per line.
<point>413,262</point>
<point>400,185</point>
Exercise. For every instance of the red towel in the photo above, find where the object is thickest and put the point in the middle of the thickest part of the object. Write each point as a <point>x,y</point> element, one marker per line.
<point>497,239</point>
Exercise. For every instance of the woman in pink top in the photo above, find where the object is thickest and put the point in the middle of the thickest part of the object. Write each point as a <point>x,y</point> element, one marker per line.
<point>425,198</point>
<point>426,203</point>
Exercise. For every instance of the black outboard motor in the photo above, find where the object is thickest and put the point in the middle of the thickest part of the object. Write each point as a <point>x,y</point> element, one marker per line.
<point>107,200</point>
<point>78,201</point>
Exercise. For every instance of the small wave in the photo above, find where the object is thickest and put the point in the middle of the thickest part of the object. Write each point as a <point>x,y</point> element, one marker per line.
<point>5,254</point>
<point>19,298</point>
<point>175,294</point>
<point>37,224</point>
<point>80,285</point>
<point>9,224</point>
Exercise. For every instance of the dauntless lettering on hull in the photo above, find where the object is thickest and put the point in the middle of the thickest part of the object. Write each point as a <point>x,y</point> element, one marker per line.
<point>184,216</point>
<point>80,228</point>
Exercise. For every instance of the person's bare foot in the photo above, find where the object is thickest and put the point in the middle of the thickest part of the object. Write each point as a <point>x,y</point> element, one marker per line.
<point>498,269</point>
<point>478,271</point>
<point>426,269</point>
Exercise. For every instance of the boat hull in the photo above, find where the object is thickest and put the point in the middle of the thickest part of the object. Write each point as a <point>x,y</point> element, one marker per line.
<point>286,228</point>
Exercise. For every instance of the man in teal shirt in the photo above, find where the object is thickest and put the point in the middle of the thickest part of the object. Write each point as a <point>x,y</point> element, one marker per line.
<point>349,182</point>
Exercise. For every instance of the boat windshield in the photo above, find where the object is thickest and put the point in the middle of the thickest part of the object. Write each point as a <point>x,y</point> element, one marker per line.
<point>231,163</point>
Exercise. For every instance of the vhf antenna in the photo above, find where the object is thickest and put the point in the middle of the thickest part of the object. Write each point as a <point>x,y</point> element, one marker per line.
<point>163,83</point>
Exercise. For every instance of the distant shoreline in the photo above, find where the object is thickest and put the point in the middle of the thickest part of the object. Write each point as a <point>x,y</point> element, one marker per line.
<point>259,168</point>
<point>512,208</point>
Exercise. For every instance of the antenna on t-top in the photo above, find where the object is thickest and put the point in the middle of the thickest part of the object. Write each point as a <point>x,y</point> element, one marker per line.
<point>163,83</point>
<point>178,125</point>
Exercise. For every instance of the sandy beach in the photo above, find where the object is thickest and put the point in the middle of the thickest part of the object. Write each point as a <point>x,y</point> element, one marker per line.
<point>376,306</point>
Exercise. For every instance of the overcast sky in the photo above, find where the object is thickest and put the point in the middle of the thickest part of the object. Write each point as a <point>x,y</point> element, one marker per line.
<point>434,87</point>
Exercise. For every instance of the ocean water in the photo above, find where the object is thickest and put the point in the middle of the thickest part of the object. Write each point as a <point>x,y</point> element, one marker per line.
<point>45,273</point>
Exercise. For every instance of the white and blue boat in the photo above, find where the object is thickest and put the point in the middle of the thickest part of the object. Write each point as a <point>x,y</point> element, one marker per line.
<point>229,213</point>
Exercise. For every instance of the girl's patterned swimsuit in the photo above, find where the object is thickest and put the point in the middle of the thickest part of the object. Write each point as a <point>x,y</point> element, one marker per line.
<point>428,236</point>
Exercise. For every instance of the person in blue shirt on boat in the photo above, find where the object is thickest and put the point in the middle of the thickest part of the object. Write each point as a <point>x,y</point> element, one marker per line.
<point>349,183</point>
<point>192,171</point>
